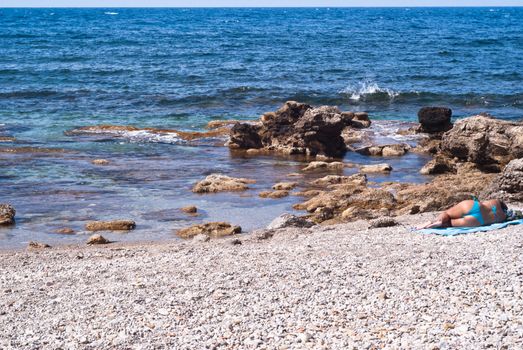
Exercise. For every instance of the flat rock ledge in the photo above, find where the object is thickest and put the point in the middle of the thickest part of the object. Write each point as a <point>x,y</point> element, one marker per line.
<point>115,225</point>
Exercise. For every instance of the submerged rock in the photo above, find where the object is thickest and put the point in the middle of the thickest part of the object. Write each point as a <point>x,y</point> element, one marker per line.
<point>190,209</point>
<point>7,214</point>
<point>100,162</point>
<point>376,168</point>
<point>115,225</point>
<point>97,239</point>
<point>323,166</point>
<point>509,184</point>
<point>295,128</point>
<point>288,220</point>
<point>274,194</point>
<point>286,186</point>
<point>484,140</point>
<point>211,229</point>
<point>222,183</point>
<point>435,119</point>
<point>65,231</point>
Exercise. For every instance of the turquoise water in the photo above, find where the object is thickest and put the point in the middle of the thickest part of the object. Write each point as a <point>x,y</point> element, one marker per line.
<point>180,68</point>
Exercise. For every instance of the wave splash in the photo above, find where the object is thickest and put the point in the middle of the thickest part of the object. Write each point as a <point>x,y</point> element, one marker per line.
<point>366,90</point>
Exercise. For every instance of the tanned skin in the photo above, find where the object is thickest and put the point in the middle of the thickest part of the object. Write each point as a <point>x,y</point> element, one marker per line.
<point>454,216</point>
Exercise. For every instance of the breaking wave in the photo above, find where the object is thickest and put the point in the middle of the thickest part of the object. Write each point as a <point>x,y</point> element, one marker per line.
<point>368,90</point>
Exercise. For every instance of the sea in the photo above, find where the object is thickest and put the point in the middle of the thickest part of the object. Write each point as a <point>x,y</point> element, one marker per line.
<point>179,68</point>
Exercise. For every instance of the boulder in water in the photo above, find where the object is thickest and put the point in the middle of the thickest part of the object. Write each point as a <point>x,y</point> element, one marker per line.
<point>114,225</point>
<point>435,119</point>
<point>295,128</point>
<point>222,183</point>
<point>7,214</point>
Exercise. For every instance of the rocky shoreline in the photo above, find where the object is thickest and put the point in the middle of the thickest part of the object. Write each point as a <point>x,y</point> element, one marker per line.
<point>343,286</point>
<point>477,156</point>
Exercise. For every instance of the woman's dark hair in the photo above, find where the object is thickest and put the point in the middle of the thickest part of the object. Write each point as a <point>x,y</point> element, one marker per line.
<point>503,206</point>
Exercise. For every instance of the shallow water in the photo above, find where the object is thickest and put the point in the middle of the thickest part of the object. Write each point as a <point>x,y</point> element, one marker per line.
<point>180,68</point>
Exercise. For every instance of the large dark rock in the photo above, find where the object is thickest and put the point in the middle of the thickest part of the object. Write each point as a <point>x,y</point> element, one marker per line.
<point>295,128</point>
<point>484,140</point>
<point>509,184</point>
<point>435,119</point>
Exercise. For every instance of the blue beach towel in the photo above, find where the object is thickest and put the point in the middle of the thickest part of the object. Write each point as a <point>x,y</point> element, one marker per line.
<point>453,231</point>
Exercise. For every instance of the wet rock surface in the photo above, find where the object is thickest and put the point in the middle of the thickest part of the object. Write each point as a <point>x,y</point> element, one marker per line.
<point>435,119</point>
<point>100,162</point>
<point>7,214</point>
<point>274,194</point>
<point>297,128</point>
<point>222,183</point>
<point>211,229</point>
<point>37,245</point>
<point>190,209</point>
<point>376,168</point>
<point>114,225</point>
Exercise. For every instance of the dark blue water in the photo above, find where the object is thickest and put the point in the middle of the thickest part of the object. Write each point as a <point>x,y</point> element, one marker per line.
<point>180,68</point>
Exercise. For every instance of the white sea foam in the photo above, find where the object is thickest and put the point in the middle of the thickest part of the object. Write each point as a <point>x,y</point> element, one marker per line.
<point>367,88</point>
<point>152,137</point>
<point>111,13</point>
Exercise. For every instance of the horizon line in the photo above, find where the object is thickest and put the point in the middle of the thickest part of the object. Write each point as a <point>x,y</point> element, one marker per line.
<point>248,7</point>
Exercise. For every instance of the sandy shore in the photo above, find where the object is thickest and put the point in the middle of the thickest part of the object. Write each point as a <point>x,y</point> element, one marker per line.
<point>335,287</point>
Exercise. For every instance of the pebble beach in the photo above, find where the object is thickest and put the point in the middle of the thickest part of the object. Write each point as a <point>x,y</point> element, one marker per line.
<point>326,287</point>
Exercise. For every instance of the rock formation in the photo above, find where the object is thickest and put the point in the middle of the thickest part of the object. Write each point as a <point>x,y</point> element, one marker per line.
<point>509,184</point>
<point>491,143</point>
<point>297,128</point>
<point>435,119</point>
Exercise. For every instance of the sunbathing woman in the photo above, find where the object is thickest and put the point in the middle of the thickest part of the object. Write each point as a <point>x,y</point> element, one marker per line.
<point>471,213</point>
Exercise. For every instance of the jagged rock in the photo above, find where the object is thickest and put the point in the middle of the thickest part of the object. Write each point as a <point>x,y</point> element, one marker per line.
<point>7,214</point>
<point>431,145</point>
<point>509,184</point>
<point>376,168</point>
<point>97,239</point>
<point>323,165</point>
<point>295,128</point>
<point>190,209</point>
<point>484,140</point>
<point>274,194</point>
<point>438,165</point>
<point>288,220</point>
<point>37,245</point>
<point>100,162</point>
<point>435,119</point>
<point>285,186</point>
<point>221,183</point>
<point>383,222</point>
<point>114,225</point>
<point>211,229</point>
<point>307,193</point>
